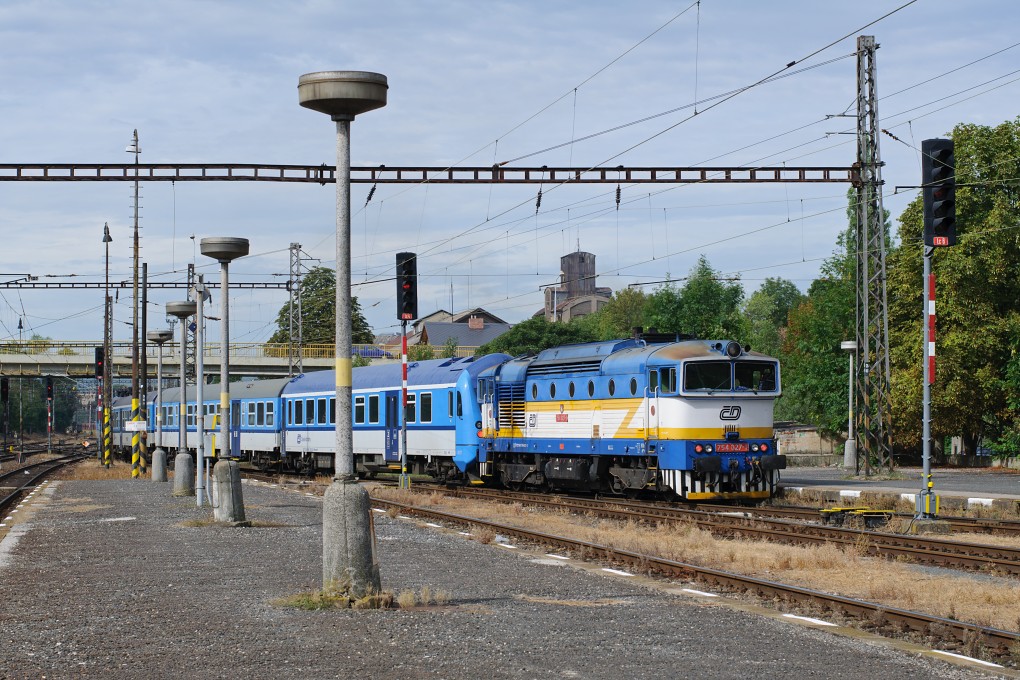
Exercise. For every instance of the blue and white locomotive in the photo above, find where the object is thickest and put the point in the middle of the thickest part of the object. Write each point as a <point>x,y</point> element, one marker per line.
<point>691,419</point>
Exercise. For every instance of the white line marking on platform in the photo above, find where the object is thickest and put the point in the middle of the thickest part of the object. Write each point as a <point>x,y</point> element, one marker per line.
<point>558,557</point>
<point>849,493</point>
<point>979,501</point>
<point>616,571</point>
<point>702,593</point>
<point>507,546</point>
<point>433,524</point>
<point>967,658</point>
<point>817,622</point>
<point>119,519</point>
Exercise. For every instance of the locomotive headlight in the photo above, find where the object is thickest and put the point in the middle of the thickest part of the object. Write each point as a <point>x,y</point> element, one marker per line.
<point>754,447</point>
<point>764,448</point>
<point>698,448</point>
<point>708,448</point>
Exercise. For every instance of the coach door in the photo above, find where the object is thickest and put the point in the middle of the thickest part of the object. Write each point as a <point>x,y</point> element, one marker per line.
<point>235,429</point>
<point>391,427</point>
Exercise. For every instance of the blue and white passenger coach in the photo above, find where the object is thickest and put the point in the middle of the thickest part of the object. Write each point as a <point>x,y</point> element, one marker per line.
<point>440,401</point>
<point>692,418</point>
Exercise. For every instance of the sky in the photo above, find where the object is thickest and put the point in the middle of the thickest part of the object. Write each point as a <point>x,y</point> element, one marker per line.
<point>554,83</point>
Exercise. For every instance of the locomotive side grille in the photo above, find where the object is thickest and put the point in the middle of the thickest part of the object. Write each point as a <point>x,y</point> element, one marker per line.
<point>564,367</point>
<point>511,406</point>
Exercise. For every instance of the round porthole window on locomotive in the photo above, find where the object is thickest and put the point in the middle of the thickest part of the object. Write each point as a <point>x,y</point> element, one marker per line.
<point>552,390</point>
<point>534,391</point>
<point>570,388</point>
<point>633,386</point>
<point>591,388</point>
<point>612,387</point>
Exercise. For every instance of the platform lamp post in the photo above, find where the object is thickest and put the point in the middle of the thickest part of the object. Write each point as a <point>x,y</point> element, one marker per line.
<point>850,448</point>
<point>226,473</point>
<point>348,558</point>
<point>107,398</point>
<point>159,455</point>
<point>184,471</point>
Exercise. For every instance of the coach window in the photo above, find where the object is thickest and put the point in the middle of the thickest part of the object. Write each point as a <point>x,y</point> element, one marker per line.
<point>290,412</point>
<point>309,411</point>
<point>591,388</point>
<point>322,411</point>
<point>612,387</point>
<point>299,412</point>
<point>633,386</point>
<point>270,414</point>
<point>425,407</point>
<point>249,414</point>
<point>191,415</point>
<point>260,414</point>
<point>552,390</point>
<point>373,408</point>
<point>570,388</point>
<point>449,403</point>
<point>359,410</point>
<point>410,408</point>
<point>332,410</point>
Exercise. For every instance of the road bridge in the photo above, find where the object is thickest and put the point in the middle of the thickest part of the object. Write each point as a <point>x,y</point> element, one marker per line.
<point>77,359</point>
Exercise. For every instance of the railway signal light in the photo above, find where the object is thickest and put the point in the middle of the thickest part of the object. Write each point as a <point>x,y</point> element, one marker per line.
<point>100,358</point>
<point>938,178</point>
<point>407,286</point>
<point>49,387</point>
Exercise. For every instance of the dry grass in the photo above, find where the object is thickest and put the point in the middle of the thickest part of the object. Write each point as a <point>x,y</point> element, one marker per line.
<point>93,470</point>
<point>824,567</point>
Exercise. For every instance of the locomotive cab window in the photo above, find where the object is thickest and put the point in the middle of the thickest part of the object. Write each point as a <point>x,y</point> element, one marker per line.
<point>667,379</point>
<point>653,381</point>
<point>759,376</point>
<point>708,376</point>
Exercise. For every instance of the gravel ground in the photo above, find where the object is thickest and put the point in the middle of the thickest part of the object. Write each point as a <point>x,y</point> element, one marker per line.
<point>108,582</point>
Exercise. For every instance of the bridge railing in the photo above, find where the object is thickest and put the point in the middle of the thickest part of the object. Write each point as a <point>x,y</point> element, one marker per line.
<point>84,351</point>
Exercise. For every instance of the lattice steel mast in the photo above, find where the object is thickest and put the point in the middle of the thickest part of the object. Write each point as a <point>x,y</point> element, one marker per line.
<point>295,341</point>
<point>872,413</point>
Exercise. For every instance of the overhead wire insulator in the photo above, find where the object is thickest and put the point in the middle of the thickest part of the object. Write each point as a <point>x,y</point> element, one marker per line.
<point>617,196</point>
<point>538,201</point>
<point>371,193</point>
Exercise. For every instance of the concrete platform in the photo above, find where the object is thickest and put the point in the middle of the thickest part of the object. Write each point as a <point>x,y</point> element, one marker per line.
<point>113,579</point>
<point>958,488</point>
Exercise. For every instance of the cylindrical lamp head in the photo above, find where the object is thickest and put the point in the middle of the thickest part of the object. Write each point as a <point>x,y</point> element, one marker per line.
<point>224,248</point>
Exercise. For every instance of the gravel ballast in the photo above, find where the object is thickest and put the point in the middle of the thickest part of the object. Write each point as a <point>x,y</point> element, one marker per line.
<point>107,580</point>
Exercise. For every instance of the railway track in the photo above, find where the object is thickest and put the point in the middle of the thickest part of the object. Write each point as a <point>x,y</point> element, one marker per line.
<point>997,643</point>
<point>977,525</point>
<point>17,482</point>
<point>736,524</point>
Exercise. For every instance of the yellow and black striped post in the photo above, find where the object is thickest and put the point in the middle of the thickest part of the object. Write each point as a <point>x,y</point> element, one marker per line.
<point>107,436</point>
<point>134,440</point>
<point>143,449</point>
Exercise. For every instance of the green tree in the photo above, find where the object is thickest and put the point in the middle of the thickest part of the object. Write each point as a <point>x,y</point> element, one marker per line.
<point>449,349</point>
<point>420,352</point>
<point>707,306</point>
<point>978,298</point>
<point>815,372</point>
<point>318,312</point>
<point>620,316</point>
<point>767,314</point>
<point>536,334</point>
